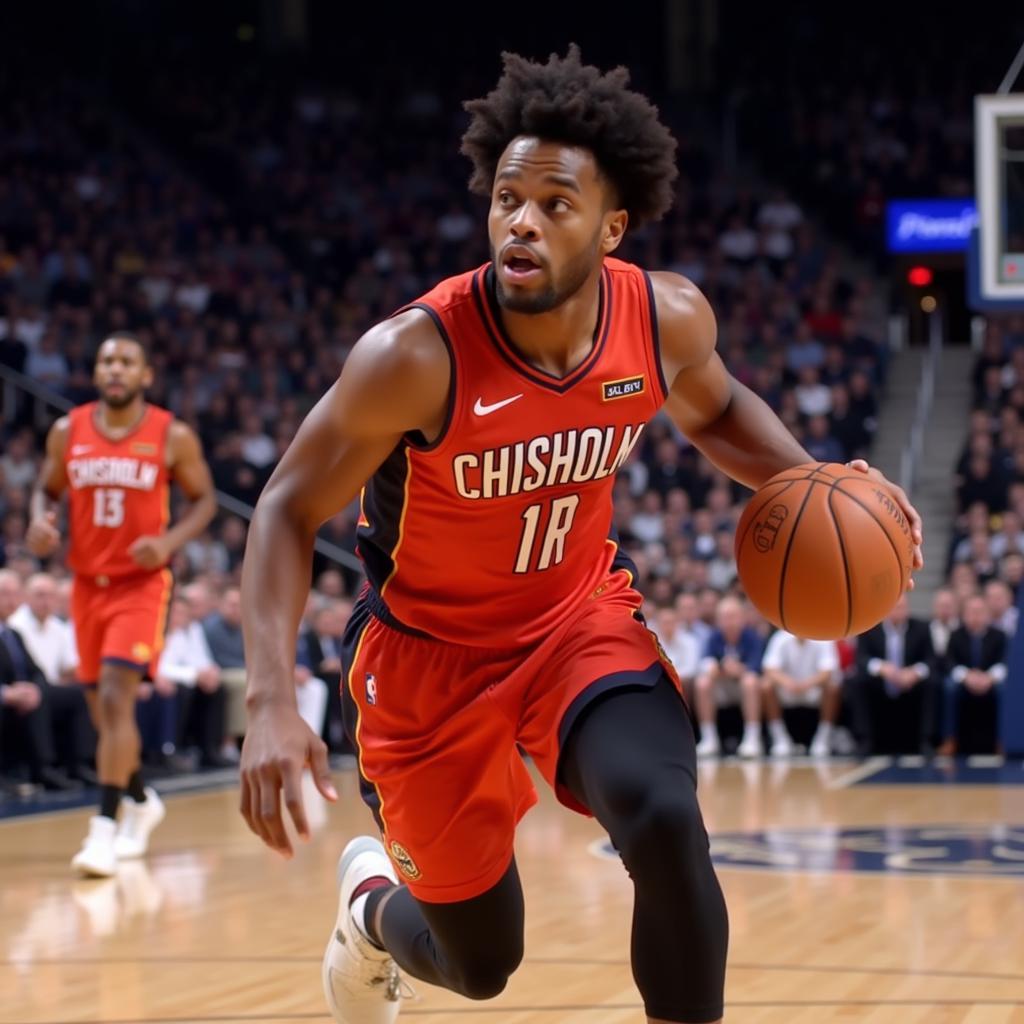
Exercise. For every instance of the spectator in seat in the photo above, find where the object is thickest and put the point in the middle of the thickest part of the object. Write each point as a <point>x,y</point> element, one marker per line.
<point>845,427</point>
<point>223,631</point>
<point>49,640</point>
<point>37,719</point>
<point>187,705</point>
<point>800,673</point>
<point>1011,572</point>
<point>722,564</point>
<point>1002,608</point>
<point>984,483</point>
<point>1010,538</point>
<point>47,364</point>
<point>944,620</point>
<point>892,694</point>
<point>977,669</point>
<point>688,620</point>
<point>730,673</point>
<point>18,464</point>
<point>820,443</point>
<point>804,350</point>
<point>680,646</point>
<point>311,698</point>
<point>813,398</point>
<point>319,651</point>
<point>667,472</point>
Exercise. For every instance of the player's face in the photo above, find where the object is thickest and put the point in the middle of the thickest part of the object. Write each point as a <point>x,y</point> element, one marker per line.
<point>121,373</point>
<point>552,221</point>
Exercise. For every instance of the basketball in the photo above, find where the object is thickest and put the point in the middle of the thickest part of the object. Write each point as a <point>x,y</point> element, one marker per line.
<point>823,551</point>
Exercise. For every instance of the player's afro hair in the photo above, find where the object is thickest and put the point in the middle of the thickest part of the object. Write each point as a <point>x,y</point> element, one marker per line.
<point>568,101</point>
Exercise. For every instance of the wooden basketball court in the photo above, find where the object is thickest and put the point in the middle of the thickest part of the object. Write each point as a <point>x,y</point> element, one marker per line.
<point>214,928</point>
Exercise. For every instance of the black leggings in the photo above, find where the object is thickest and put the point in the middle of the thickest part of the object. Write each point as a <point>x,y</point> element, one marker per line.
<point>630,758</point>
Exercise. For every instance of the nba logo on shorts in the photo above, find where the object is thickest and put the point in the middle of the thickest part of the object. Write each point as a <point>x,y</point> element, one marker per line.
<point>371,688</point>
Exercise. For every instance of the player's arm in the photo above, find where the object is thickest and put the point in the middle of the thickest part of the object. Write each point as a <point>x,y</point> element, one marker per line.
<point>43,537</point>
<point>395,380</point>
<point>722,417</point>
<point>191,473</point>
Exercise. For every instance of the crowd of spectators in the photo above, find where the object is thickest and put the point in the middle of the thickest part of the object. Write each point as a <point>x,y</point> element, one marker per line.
<point>251,232</point>
<point>848,126</point>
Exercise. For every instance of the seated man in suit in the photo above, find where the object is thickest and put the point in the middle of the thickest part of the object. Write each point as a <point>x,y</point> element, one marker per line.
<point>892,697</point>
<point>319,653</point>
<point>730,673</point>
<point>976,659</point>
<point>32,712</point>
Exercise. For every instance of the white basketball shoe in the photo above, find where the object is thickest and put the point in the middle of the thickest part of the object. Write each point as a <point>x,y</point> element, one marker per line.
<point>96,858</point>
<point>361,982</point>
<point>137,821</point>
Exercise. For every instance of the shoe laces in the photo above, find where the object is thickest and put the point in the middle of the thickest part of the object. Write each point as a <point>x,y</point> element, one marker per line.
<point>395,986</point>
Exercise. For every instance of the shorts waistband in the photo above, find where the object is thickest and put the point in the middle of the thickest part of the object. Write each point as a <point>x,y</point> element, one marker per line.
<point>379,610</point>
<point>103,581</point>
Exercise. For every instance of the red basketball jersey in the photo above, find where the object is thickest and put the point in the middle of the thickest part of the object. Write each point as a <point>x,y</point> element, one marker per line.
<point>119,490</point>
<point>497,531</point>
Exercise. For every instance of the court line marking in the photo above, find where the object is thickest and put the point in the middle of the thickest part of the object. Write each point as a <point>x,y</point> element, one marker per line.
<point>570,1008</point>
<point>540,961</point>
<point>872,766</point>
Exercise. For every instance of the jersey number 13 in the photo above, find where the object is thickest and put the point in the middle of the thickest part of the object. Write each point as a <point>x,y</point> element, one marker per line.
<point>108,506</point>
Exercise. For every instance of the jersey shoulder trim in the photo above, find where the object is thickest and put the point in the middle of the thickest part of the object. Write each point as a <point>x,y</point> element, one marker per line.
<point>655,350</point>
<point>435,316</point>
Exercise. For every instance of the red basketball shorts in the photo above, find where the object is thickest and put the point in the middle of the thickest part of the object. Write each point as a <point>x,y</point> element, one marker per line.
<point>436,726</point>
<point>119,620</point>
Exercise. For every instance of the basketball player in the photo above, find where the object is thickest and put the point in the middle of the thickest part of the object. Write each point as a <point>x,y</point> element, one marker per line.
<point>487,421</point>
<point>116,458</point>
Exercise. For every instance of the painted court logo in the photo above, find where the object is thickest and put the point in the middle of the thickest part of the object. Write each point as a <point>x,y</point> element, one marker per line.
<point>405,863</point>
<point>964,850</point>
<point>625,388</point>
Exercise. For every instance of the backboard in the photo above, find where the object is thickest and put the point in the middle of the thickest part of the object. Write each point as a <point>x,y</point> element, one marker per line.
<point>996,262</point>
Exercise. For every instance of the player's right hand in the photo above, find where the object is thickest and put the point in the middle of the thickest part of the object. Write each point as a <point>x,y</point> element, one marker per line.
<point>278,746</point>
<point>43,537</point>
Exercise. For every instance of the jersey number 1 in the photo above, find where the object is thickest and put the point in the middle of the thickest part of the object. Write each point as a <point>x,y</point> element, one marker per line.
<point>108,506</point>
<point>552,549</point>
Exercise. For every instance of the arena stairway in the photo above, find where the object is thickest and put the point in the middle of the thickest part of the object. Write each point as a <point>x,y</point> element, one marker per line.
<point>944,437</point>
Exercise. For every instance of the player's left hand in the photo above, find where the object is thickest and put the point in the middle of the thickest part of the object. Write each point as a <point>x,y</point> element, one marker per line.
<point>150,552</point>
<point>904,502</point>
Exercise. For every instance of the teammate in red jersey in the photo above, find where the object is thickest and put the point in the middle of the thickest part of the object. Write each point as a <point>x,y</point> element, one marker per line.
<point>116,459</point>
<point>486,422</point>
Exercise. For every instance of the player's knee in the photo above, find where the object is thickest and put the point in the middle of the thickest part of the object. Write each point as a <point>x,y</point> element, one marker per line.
<point>115,701</point>
<point>666,834</point>
<point>750,681</point>
<point>487,978</point>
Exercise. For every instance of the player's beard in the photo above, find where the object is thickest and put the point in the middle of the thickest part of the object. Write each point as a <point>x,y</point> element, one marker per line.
<point>571,280</point>
<point>120,401</point>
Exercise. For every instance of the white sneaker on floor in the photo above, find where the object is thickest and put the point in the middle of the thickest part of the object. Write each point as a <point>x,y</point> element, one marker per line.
<point>750,747</point>
<point>136,824</point>
<point>709,746</point>
<point>782,747</point>
<point>362,983</point>
<point>820,747</point>
<point>96,858</point>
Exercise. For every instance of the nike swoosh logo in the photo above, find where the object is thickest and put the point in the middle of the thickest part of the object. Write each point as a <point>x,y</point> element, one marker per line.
<point>485,410</point>
<point>80,449</point>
